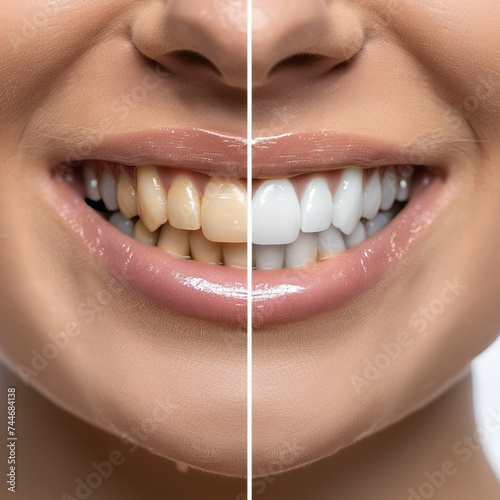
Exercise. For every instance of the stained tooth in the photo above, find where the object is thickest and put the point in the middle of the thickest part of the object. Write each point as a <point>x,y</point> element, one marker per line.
<point>203,250</point>
<point>174,241</point>
<point>302,251</point>
<point>122,223</point>
<point>372,197</point>
<point>151,197</point>
<point>269,256</point>
<point>330,241</point>
<point>377,223</point>
<point>234,254</point>
<point>403,190</point>
<point>224,211</point>
<point>316,206</point>
<point>389,189</point>
<point>126,197</point>
<point>348,200</point>
<point>183,204</point>
<point>357,236</point>
<point>276,213</point>
<point>143,235</point>
<point>108,191</point>
<point>91,184</point>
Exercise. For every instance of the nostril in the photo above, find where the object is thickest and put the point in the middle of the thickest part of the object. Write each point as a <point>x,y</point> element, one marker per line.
<point>193,59</point>
<point>303,61</point>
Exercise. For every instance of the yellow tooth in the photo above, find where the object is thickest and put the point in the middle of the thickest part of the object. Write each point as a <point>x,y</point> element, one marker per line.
<point>183,204</point>
<point>143,235</point>
<point>151,197</point>
<point>234,254</point>
<point>204,250</point>
<point>174,241</point>
<point>126,197</point>
<point>224,211</point>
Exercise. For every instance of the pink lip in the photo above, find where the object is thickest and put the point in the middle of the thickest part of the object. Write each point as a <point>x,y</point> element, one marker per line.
<point>219,293</point>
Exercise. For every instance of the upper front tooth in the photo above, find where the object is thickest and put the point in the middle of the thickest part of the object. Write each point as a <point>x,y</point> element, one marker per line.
<point>108,191</point>
<point>183,204</point>
<point>151,197</point>
<point>372,197</point>
<point>224,211</point>
<point>126,197</point>
<point>389,189</point>
<point>91,184</point>
<point>316,206</point>
<point>348,200</point>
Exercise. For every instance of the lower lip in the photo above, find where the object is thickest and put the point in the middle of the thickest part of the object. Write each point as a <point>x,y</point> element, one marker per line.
<point>219,293</point>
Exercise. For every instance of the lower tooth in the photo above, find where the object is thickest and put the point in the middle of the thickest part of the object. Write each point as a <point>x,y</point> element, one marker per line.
<point>302,251</point>
<point>330,241</point>
<point>174,241</point>
<point>124,225</point>
<point>269,257</point>
<point>377,223</point>
<point>203,250</point>
<point>143,235</point>
<point>234,254</point>
<point>357,236</point>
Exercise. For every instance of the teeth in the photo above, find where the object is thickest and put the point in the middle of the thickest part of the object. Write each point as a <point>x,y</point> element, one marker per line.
<point>316,206</point>
<point>330,241</point>
<point>269,256</point>
<point>304,250</point>
<point>151,197</point>
<point>377,223</point>
<point>356,237</point>
<point>91,184</point>
<point>108,191</point>
<point>348,200</point>
<point>123,224</point>
<point>174,241</point>
<point>224,211</point>
<point>203,250</point>
<point>234,254</point>
<point>126,197</point>
<point>403,190</point>
<point>389,190</point>
<point>143,235</point>
<point>183,204</point>
<point>276,213</point>
<point>372,197</point>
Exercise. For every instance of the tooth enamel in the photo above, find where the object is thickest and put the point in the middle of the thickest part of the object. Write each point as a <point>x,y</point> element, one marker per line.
<point>377,223</point>
<point>122,223</point>
<point>403,190</point>
<point>316,206</point>
<point>151,197</point>
<point>126,197</point>
<point>234,254</point>
<point>304,250</point>
<point>389,189</point>
<point>108,191</point>
<point>372,197</point>
<point>269,256</point>
<point>183,204</point>
<point>91,184</point>
<point>276,213</point>
<point>174,241</point>
<point>203,250</point>
<point>348,200</point>
<point>356,237</point>
<point>143,235</point>
<point>330,241</point>
<point>224,211</point>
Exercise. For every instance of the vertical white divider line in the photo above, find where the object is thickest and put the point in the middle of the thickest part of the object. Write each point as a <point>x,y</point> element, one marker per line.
<point>249,249</point>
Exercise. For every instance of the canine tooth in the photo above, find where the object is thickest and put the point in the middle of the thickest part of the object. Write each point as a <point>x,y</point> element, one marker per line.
<point>92,191</point>
<point>108,191</point>
<point>330,241</point>
<point>316,206</point>
<point>151,197</point>
<point>372,197</point>
<point>348,200</point>
<point>377,223</point>
<point>203,250</point>
<point>126,197</point>
<point>389,189</point>
<point>234,254</point>
<point>276,213</point>
<point>357,236</point>
<point>302,251</point>
<point>174,241</point>
<point>183,204</point>
<point>122,223</point>
<point>143,235</point>
<point>269,256</point>
<point>224,211</point>
<point>403,190</point>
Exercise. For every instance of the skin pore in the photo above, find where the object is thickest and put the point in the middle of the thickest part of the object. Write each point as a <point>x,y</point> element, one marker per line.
<point>422,75</point>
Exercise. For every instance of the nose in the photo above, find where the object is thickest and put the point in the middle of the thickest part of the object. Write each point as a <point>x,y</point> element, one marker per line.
<point>304,36</point>
<point>193,36</point>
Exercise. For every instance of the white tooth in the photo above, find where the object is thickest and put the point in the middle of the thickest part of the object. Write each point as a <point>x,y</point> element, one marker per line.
<point>91,184</point>
<point>269,256</point>
<point>403,190</point>
<point>389,189</point>
<point>151,197</point>
<point>372,197</point>
<point>108,191</point>
<point>303,250</point>
<point>377,223</point>
<point>330,241</point>
<point>348,200</point>
<point>276,213</point>
<point>357,236</point>
<point>124,225</point>
<point>316,206</point>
